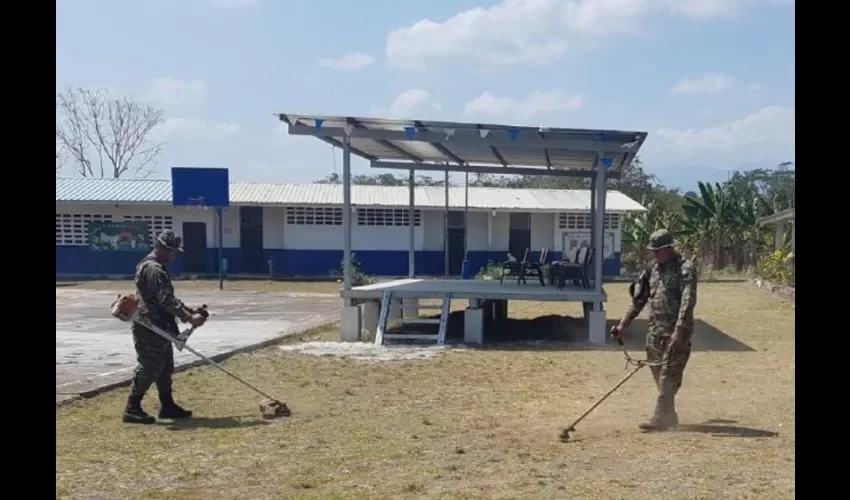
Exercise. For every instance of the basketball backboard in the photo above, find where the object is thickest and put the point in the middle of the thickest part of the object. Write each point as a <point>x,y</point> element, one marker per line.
<point>208,187</point>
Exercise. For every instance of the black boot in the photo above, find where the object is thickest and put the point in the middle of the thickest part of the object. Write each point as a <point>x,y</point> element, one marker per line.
<point>134,414</point>
<point>170,409</point>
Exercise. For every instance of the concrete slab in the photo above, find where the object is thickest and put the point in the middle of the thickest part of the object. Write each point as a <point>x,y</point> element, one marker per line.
<point>94,349</point>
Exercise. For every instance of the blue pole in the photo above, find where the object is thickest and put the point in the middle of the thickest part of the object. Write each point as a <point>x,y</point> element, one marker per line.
<point>220,244</point>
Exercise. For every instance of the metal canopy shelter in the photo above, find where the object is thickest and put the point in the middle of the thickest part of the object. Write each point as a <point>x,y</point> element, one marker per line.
<point>473,148</point>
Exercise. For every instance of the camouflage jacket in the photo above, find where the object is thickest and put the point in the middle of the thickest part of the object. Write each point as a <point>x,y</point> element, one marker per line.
<point>157,302</point>
<point>670,290</point>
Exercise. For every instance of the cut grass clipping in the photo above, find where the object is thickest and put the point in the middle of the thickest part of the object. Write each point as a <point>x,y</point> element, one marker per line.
<point>463,424</point>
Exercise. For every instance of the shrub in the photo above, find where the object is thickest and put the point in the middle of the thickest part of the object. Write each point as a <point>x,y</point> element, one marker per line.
<point>357,276</point>
<point>777,267</point>
<point>491,271</point>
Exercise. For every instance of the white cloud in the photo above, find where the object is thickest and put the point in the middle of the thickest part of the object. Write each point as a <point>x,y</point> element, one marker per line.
<point>533,32</point>
<point>766,134</point>
<point>352,61</point>
<point>408,103</point>
<point>195,129</point>
<point>234,3</point>
<point>707,84</point>
<point>707,8</point>
<point>536,104</point>
<point>171,92</point>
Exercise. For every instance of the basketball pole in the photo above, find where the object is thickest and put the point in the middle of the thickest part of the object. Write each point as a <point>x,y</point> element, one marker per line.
<point>218,213</point>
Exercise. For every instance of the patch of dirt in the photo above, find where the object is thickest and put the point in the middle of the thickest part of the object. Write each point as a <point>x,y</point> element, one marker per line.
<point>476,423</point>
<point>365,351</point>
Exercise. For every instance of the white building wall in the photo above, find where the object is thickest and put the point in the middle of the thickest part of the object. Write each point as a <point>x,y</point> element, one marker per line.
<point>501,232</point>
<point>480,224</point>
<point>385,238</point>
<point>613,232</point>
<point>159,217</point>
<point>275,231</point>
<point>477,231</point>
<point>231,218</point>
<point>330,237</point>
<point>312,237</point>
<point>541,231</point>
<point>434,230</point>
<point>488,231</point>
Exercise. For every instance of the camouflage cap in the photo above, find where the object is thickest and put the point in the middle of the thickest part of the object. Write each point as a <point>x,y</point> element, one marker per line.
<point>660,239</point>
<point>168,239</point>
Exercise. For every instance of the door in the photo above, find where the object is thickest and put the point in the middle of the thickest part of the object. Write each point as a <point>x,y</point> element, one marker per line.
<point>194,247</point>
<point>251,241</point>
<point>519,238</point>
<point>457,242</point>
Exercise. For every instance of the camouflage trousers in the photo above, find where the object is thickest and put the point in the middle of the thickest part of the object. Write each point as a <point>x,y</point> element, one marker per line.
<point>155,356</point>
<point>668,376</point>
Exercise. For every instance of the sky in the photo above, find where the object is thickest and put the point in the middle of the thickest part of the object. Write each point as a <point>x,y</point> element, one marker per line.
<point>711,81</point>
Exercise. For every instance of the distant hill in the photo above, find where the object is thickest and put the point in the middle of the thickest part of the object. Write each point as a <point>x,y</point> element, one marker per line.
<point>686,177</point>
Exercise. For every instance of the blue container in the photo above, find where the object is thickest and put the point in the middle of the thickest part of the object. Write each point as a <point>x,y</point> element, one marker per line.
<point>466,270</point>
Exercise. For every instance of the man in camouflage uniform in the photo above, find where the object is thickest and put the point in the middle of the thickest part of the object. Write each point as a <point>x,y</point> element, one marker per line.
<point>669,286</point>
<point>155,355</point>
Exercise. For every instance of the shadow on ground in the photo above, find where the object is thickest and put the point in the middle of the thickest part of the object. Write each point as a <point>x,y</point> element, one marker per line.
<point>724,428</point>
<point>212,423</point>
<point>555,332</point>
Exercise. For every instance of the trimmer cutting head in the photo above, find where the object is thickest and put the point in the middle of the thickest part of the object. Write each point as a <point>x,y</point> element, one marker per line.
<point>272,408</point>
<point>565,434</point>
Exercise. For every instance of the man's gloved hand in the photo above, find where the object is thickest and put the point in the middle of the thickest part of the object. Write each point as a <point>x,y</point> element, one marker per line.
<point>199,310</point>
<point>197,315</point>
<point>617,333</point>
<point>197,319</point>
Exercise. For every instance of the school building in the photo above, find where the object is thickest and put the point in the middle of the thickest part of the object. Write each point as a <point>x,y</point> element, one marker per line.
<point>104,226</point>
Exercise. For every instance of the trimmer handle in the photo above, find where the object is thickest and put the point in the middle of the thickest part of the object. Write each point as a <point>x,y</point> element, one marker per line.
<point>203,311</point>
<point>613,333</point>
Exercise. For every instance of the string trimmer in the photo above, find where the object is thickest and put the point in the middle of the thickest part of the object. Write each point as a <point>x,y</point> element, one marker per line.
<point>125,308</point>
<point>637,363</point>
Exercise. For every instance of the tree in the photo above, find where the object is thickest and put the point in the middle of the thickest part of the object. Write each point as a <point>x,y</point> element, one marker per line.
<point>60,158</point>
<point>106,136</point>
<point>777,187</point>
<point>382,180</point>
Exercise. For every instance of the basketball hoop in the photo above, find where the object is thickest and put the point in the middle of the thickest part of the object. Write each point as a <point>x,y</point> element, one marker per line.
<point>196,204</point>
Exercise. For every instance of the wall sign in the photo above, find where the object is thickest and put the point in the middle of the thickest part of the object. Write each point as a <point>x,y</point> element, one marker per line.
<point>582,239</point>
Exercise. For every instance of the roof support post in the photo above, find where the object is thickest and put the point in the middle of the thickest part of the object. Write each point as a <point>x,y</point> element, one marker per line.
<point>346,217</point>
<point>446,230</point>
<point>599,224</point>
<point>411,252</point>
<point>793,236</point>
<point>592,270</point>
<point>466,218</point>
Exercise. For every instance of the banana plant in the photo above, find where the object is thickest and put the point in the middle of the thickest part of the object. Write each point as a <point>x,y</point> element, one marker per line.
<point>710,219</point>
<point>638,228</point>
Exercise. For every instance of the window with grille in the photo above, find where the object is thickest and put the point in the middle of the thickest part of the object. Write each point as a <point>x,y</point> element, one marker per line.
<point>72,230</point>
<point>156,223</point>
<point>314,216</point>
<point>387,217</point>
<point>582,221</point>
